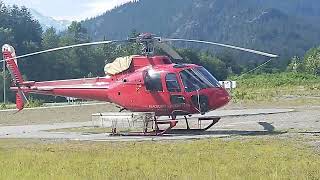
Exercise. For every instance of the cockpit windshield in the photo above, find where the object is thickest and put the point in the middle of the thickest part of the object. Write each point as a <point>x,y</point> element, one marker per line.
<point>198,78</point>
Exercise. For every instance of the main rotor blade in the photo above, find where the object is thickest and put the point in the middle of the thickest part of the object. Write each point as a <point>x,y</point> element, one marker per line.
<point>225,45</point>
<point>166,48</point>
<point>66,47</point>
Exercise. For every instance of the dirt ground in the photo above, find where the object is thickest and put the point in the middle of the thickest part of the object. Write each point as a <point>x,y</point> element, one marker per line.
<point>73,113</point>
<point>303,122</point>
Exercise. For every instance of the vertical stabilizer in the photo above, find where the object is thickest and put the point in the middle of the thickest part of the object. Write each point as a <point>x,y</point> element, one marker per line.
<point>9,55</point>
<point>11,61</point>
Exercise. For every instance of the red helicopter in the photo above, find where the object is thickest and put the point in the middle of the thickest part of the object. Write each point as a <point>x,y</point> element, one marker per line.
<point>140,83</point>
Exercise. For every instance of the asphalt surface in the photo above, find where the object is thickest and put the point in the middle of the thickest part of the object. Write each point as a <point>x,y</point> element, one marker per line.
<point>49,123</point>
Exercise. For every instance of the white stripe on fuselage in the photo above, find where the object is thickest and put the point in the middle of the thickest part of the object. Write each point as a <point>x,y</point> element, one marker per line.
<point>84,86</point>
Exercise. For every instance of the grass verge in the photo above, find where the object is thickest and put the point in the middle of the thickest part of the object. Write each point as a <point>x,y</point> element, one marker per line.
<point>204,159</point>
<point>292,88</point>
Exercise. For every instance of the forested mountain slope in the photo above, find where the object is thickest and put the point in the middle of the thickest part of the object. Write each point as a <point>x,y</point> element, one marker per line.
<point>286,27</point>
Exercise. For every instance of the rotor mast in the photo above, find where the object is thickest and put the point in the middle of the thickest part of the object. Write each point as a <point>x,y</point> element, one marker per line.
<point>147,40</point>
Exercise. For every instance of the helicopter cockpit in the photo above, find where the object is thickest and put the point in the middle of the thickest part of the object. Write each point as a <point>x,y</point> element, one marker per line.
<point>190,84</point>
<point>193,79</point>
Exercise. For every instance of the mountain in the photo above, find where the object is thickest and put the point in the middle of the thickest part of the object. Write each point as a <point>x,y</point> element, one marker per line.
<point>47,22</point>
<point>286,27</point>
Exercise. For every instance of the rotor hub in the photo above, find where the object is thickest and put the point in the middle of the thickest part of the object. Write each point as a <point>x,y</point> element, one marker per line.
<point>148,41</point>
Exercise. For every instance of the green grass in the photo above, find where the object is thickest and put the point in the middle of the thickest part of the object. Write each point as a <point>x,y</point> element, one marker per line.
<point>274,87</point>
<point>205,159</point>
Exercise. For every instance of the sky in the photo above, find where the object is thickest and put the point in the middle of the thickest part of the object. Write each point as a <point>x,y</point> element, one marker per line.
<point>69,9</point>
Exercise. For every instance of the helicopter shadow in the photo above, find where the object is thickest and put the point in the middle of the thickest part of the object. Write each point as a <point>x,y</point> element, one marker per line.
<point>269,129</point>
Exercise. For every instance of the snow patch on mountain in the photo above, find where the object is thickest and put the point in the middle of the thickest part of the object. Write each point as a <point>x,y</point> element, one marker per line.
<point>46,22</point>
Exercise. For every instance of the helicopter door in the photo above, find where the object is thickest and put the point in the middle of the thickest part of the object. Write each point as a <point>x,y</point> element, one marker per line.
<point>153,81</point>
<point>174,89</point>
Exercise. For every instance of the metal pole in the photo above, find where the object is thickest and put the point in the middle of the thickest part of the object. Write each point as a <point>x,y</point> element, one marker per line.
<point>4,81</point>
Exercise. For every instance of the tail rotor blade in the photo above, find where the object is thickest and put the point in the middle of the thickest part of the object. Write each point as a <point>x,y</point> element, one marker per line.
<point>226,45</point>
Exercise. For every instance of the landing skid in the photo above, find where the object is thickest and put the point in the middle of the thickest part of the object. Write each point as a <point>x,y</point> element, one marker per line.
<point>156,131</point>
<point>214,120</point>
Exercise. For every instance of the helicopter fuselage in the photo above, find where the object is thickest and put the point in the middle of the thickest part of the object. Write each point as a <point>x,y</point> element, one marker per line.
<point>151,84</point>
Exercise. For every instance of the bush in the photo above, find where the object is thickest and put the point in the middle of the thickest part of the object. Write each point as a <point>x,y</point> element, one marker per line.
<point>34,103</point>
<point>3,106</point>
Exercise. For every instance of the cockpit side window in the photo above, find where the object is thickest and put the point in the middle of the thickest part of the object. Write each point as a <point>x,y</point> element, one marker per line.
<point>198,78</point>
<point>172,83</point>
<point>209,77</point>
<point>191,81</point>
<point>152,80</point>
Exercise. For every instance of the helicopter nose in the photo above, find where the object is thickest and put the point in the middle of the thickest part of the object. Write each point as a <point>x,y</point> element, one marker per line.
<point>219,98</point>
